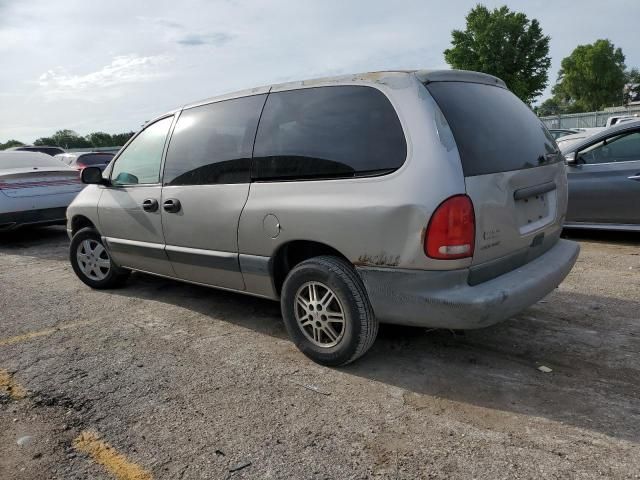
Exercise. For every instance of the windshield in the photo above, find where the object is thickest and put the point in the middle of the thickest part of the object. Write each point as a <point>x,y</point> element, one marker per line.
<point>28,160</point>
<point>494,130</point>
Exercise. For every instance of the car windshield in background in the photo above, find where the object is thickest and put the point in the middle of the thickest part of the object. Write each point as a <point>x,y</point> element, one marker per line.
<point>494,130</point>
<point>28,160</point>
<point>95,159</point>
<point>561,133</point>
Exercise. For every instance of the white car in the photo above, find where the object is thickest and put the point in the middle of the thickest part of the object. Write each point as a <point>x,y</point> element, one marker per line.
<point>615,120</point>
<point>35,189</point>
<point>564,142</point>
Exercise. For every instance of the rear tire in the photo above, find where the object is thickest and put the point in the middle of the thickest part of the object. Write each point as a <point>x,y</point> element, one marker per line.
<point>327,312</point>
<point>92,263</point>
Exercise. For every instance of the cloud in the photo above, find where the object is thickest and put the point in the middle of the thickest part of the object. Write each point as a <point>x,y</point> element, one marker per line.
<point>217,39</point>
<point>166,23</point>
<point>122,70</point>
<point>70,63</point>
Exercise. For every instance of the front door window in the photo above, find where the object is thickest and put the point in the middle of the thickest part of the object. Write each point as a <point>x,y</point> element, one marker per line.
<point>140,162</point>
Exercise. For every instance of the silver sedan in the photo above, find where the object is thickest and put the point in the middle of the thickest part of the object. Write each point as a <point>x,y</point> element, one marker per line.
<point>35,189</point>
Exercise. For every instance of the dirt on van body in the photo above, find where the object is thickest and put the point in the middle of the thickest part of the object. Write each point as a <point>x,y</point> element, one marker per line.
<point>174,381</point>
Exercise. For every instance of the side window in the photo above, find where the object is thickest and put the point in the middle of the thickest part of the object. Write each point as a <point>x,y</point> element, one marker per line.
<point>620,148</point>
<point>213,143</point>
<point>328,132</point>
<point>140,162</point>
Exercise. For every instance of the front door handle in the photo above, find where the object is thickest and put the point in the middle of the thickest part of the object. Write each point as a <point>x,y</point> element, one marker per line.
<point>172,205</point>
<point>635,177</point>
<point>150,205</point>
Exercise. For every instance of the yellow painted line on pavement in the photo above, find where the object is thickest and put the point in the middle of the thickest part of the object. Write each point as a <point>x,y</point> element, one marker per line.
<point>104,454</point>
<point>9,385</point>
<point>39,333</point>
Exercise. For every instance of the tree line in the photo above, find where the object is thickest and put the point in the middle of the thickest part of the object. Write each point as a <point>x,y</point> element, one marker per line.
<point>70,139</point>
<point>514,48</point>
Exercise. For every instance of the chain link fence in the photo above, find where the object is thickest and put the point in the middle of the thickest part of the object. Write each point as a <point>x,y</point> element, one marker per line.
<point>589,119</point>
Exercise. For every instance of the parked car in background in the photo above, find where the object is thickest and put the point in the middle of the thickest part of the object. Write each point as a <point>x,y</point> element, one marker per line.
<point>565,141</point>
<point>429,198</point>
<point>35,189</point>
<point>80,160</point>
<point>617,119</point>
<point>42,149</point>
<point>604,179</point>
<point>561,132</point>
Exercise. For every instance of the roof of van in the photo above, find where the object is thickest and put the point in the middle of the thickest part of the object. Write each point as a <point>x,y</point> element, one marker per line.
<point>389,77</point>
<point>385,77</point>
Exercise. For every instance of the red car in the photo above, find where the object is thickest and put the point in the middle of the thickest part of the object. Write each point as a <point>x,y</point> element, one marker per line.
<point>80,160</point>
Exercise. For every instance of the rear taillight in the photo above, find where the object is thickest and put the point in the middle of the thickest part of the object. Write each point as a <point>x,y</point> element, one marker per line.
<point>452,230</point>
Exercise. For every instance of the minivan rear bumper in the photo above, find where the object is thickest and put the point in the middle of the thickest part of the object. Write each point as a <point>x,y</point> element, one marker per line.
<point>444,299</point>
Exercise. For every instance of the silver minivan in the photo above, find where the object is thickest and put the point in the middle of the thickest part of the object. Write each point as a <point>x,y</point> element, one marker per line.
<point>425,198</point>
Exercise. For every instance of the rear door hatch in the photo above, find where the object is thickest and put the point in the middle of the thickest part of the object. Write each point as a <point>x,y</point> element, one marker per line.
<point>514,173</point>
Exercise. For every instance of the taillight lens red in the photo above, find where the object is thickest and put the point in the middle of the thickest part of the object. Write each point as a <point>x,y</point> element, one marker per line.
<point>452,230</point>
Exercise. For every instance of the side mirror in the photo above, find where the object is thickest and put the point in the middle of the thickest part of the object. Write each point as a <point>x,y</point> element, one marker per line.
<point>92,176</point>
<point>571,158</point>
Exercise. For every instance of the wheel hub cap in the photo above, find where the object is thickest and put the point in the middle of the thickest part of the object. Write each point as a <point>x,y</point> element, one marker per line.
<point>319,314</point>
<point>93,259</point>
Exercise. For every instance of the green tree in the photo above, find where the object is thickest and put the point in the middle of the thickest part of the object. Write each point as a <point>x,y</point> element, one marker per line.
<point>592,77</point>
<point>70,139</point>
<point>120,139</point>
<point>100,139</point>
<point>42,141</point>
<point>64,139</point>
<point>10,143</point>
<point>632,86</point>
<point>550,106</point>
<point>505,44</point>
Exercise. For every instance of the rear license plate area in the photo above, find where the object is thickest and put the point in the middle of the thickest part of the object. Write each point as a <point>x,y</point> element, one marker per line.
<point>534,212</point>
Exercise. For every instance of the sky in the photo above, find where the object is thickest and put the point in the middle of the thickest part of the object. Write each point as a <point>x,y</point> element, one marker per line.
<point>112,65</point>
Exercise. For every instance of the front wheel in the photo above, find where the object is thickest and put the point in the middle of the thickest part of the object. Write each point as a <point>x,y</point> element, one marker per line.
<point>92,263</point>
<point>327,312</point>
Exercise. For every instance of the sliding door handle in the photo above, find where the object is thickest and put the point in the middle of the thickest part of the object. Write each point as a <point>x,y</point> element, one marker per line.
<point>150,205</point>
<point>172,205</point>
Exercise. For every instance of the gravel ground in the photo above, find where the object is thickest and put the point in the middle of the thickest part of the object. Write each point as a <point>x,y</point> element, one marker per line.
<point>187,382</point>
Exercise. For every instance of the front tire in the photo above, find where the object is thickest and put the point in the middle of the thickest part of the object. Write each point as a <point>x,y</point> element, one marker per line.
<point>327,312</point>
<point>92,263</point>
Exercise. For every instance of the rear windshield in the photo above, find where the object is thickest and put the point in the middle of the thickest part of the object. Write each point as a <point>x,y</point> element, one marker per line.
<point>48,150</point>
<point>29,160</point>
<point>95,159</point>
<point>494,130</point>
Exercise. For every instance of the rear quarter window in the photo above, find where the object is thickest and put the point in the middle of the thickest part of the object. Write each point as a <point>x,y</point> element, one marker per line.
<point>328,132</point>
<point>494,130</point>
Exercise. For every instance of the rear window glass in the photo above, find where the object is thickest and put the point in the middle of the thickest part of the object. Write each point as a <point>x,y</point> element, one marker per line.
<point>98,159</point>
<point>494,130</point>
<point>28,160</point>
<point>48,150</point>
<point>328,132</point>
<point>52,151</point>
